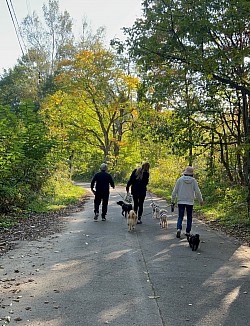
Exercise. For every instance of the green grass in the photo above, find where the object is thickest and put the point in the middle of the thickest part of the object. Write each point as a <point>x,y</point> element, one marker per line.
<point>56,196</point>
<point>6,223</point>
<point>225,205</point>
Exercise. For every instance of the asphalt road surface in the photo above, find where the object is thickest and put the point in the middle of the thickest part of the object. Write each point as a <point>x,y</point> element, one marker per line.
<point>98,273</point>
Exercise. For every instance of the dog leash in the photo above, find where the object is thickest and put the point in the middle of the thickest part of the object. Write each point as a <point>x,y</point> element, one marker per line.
<point>161,208</point>
<point>119,194</point>
<point>151,197</point>
<point>124,198</point>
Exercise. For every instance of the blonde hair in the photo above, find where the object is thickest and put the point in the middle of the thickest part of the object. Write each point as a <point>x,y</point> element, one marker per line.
<point>144,168</point>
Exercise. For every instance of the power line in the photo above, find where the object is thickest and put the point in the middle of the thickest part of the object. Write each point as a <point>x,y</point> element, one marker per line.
<point>15,23</point>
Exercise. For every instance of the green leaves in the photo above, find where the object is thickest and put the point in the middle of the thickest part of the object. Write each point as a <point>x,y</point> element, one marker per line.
<point>24,149</point>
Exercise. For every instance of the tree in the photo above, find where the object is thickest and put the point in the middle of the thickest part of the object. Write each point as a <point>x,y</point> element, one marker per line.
<point>24,157</point>
<point>210,41</point>
<point>95,101</point>
<point>48,43</point>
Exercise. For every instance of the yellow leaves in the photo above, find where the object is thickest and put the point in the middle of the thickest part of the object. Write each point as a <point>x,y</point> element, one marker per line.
<point>57,99</point>
<point>65,62</point>
<point>209,76</point>
<point>131,81</point>
<point>85,55</point>
<point>134,113</point>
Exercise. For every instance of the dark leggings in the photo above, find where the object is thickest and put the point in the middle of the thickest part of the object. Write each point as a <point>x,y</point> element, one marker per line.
<point>138,204</point>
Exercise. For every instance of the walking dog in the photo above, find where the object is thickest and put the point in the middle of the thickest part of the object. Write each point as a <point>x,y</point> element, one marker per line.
<point>163,219</point>
<point>132,218</point>
<point>125,207</point>
<point>194,241</point>
<point>155,210</point>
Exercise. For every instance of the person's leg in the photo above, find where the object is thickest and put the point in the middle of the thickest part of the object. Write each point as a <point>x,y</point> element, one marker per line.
<point>181,210</point>
<point>140,206</point>
<point>105,199</point>
<point>136,202</point>
<point>97,202</point>
<point>189,209</point>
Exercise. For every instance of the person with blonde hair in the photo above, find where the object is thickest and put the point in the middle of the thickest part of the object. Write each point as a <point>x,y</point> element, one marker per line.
<point>138,181</point>
<point>186,189</point>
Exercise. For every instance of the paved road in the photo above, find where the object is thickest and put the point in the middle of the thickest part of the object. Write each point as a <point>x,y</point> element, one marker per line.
<point>97,273</point>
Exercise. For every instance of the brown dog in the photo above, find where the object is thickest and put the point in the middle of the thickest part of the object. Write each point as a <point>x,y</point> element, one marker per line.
<point>131,220</point>
<point>163,219</point>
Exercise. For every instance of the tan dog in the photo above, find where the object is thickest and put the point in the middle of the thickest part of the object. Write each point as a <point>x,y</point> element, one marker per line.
<point>131,220</point>
<point>163,218</point>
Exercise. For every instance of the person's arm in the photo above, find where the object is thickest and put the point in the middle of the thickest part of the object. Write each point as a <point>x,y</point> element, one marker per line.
<point>92,184</point>
<point>174,192</point>
<point>112,183</point>
<point>146,179</point>
<point>198,192</point>
<point>130,181</point>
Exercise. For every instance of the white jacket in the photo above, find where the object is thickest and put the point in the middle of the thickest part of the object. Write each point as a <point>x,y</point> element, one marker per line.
<point>186,189</point>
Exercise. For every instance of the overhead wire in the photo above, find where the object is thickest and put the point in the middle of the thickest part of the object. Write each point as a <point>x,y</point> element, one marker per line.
<point>15,24</point>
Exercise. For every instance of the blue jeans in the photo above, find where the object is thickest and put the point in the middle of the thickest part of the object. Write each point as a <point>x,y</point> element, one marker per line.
<point>181,210</point>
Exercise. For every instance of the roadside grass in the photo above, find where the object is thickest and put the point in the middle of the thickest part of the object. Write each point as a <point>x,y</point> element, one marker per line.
<point>223,206</point>
<point>58,195</point>
<point>55,196</point>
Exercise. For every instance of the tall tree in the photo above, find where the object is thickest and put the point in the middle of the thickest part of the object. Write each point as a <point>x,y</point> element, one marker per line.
<point>210,40</point>
<point>101,100</point>
<point>48,41</point>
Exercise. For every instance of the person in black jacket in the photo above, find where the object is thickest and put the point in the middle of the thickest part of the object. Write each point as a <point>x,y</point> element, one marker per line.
<point>101,182</point>
<point>138,182</point>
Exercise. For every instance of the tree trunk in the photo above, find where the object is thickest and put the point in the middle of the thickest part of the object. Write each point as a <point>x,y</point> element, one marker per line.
<point>246,123</point>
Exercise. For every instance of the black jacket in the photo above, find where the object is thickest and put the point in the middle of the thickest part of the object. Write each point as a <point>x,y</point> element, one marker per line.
<point>101,182</point>
<point>138,186</point>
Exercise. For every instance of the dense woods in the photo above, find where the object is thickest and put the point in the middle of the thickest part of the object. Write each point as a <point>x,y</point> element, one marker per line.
<point>176,92</point>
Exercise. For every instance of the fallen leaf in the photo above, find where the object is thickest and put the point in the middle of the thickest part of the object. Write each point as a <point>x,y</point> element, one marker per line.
<point>7,318</point>
<point>154,296</point>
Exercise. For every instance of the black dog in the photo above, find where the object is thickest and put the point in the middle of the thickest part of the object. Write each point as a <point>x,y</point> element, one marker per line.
<point>125,207</point>
<point>194,241</point>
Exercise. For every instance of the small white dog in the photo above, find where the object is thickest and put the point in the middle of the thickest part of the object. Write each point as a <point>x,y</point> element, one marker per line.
<point>155,210</point>
<point>163,218</point>
<point>131,219</point>
<point>128,198</point>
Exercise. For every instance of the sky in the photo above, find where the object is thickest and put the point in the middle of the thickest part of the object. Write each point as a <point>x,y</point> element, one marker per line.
<point>112,14</point>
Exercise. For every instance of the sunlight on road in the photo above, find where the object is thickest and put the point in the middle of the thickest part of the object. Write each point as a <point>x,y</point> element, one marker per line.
<point>231,297</point>
<point>115,312</point>
<point>116,254</point>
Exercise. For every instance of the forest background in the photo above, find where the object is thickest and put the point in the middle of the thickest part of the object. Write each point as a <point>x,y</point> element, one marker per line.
<point>176,92</point>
